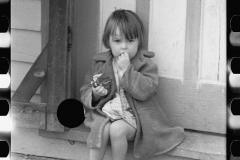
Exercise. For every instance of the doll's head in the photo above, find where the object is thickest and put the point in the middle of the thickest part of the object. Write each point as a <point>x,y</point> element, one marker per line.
<point>123,30</point>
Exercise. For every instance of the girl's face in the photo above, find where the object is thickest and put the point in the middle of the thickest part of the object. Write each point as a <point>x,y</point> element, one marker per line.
<point>119,44</point>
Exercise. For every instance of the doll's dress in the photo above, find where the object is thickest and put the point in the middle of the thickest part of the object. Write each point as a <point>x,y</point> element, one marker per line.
<point>118,107</point>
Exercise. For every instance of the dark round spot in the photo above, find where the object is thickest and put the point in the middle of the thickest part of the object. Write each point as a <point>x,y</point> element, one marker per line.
<point>70,113</point>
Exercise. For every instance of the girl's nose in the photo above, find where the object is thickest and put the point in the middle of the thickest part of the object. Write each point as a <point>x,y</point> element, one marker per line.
<point>124,45</point>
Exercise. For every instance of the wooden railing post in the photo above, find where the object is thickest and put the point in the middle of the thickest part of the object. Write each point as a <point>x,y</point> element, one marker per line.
<point>57,61</point>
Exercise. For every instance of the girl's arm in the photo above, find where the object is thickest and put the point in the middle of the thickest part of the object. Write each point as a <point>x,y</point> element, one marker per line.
<point>141,84</point>
<point>87,97</point>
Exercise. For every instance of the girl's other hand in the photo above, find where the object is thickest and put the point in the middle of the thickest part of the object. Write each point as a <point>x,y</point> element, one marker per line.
<point>123,61</point>
<point>98,92</point>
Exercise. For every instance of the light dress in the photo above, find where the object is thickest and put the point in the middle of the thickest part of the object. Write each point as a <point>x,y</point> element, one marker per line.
<point>118,107</point>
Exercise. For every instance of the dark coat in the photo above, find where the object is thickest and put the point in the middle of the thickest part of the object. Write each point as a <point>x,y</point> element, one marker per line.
<point>155,135</point>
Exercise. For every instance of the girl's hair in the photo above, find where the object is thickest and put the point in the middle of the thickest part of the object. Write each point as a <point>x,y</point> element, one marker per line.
<point>129,25</point>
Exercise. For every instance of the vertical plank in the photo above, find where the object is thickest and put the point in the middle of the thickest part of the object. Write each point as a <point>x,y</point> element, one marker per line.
<point>142,10</point>
<point>57,61</point>
<point>210,40</point>
<point>167,36</point>
<point>44,22</point>
<point>86,40</point>
<point>44,40</point>
<point>191,57</point>
<point>223,43</point>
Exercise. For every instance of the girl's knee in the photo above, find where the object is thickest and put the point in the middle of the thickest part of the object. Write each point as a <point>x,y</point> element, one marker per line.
<point>117,131</point>
<point>121,129</point>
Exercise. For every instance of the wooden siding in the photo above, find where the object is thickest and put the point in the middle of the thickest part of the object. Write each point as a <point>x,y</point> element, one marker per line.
<point>26,45</point>
<point>203,109</point>
<point>85,39</point>
<point>19,70</point>
<point>213,45</point>
<point>191,62</point>
<point>26,14</point>
<point>167,36</point>
<point>29,35</point>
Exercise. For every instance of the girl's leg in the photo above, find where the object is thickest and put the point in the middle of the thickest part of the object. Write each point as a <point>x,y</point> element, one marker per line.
<point>98,154</point>
<point>120,133</point>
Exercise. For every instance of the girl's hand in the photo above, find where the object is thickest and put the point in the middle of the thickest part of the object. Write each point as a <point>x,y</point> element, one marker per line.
<point>123,61</point>
<point>98,92</point>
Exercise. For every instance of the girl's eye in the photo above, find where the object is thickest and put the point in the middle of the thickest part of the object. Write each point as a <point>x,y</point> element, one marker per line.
<point>117,41</point>
<point>131,40</point>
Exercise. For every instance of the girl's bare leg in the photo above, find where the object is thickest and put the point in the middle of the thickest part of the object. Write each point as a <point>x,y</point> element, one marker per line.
<point>120,133</point>
<point>98,154</point>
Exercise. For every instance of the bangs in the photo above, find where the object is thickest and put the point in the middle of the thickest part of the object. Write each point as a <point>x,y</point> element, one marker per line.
<point>127,29</point>
<point>129,25</point>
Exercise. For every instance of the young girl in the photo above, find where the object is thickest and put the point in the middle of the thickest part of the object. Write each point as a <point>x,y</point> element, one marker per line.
<point>124,107</point>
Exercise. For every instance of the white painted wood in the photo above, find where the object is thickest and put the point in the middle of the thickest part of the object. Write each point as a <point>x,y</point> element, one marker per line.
<point>223,43</point>
<point>27,141</point>
<point>26,14</point>
<point>167,36</point>
<point>211,40</point>
<point>107,7</point>
<point>26,45</point>
<point>18,72</point>
<point>36,98</point>
<point>195,146</point>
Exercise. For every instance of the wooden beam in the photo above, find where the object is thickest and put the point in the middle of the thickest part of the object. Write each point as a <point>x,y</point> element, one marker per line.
<point>79,134</point>
<point>143,10</point>
<point>196,145</point>
<point>33,78</point>
<point>192,48</point>
<point>57,60</point>
<point>28,115</point>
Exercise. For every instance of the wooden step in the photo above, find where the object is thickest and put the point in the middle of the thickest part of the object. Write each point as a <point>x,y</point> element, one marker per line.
<point>196,145</point>
<point>202,145</point>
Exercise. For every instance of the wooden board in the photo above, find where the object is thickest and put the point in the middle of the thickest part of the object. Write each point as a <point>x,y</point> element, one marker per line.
<point>33,79</point>
<point>78,134</point>
<point>192,40</point>
<point>25,45</point>
<point>44,22</point>
<point>223,43</point>
<point>35,99</point>
<point>18,72</point>
<point>210,40</point>
<point>194,107</point>
<point>26,14</point>
<point>84,31</point>
<point>28,115</point>
<point>143,10</point>
<point>167,39</point>
<point>28,142</point>
<point>57,61</point>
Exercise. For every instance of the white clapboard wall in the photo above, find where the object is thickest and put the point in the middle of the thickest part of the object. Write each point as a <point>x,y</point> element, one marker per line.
<point>29,34</point>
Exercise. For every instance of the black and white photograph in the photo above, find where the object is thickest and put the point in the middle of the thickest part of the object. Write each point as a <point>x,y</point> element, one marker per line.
<point>119,80</point>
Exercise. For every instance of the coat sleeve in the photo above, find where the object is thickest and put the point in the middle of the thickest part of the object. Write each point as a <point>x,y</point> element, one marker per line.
<point>86,89</point>
<point>141,84</point>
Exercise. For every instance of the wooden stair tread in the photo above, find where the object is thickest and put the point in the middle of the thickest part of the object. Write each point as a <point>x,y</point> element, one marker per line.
<point>196,145</point>
<point>202,145</point>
